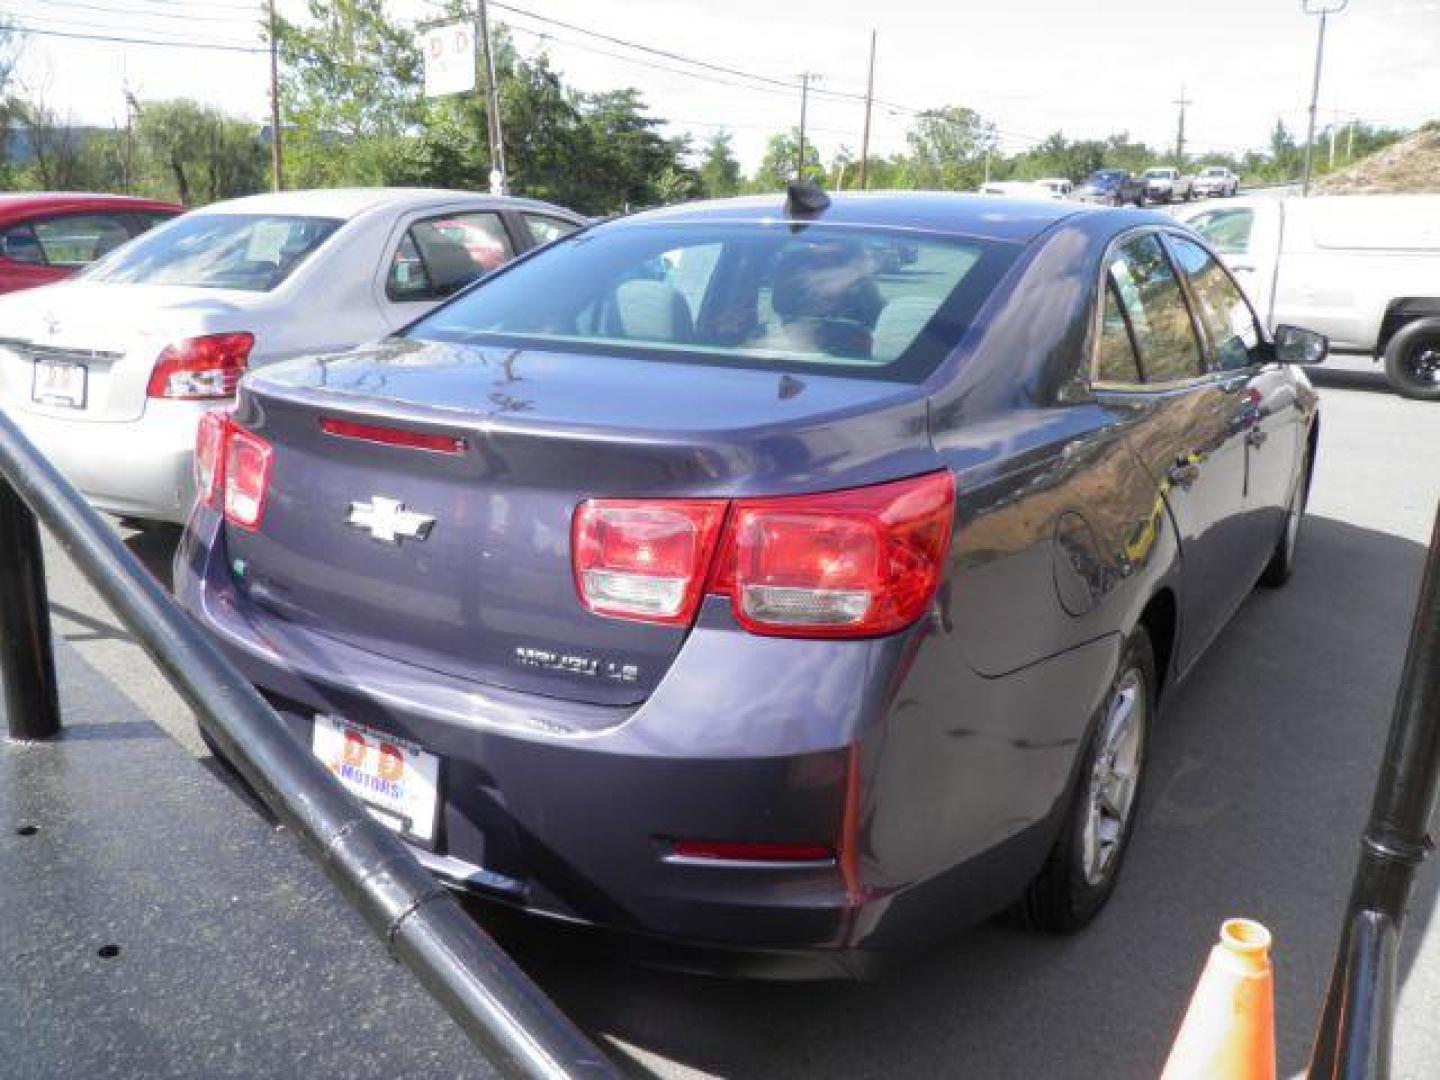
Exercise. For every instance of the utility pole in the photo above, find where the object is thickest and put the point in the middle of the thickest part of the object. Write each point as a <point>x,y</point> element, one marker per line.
<point>277,159</point>
<point>1323,8</point>
<point>1334,120</point>
<point>805,78</point>
<point>1350,141</point>
<point>1180,129</point>
<point>869,104</point>
<point>499,184</point>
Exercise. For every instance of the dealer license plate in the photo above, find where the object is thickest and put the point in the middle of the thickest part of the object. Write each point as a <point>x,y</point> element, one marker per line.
<point>397,781</point>
<point>60,382</point>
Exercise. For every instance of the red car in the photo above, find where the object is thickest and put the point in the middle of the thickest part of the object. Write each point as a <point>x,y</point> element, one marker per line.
<point>48,237</point>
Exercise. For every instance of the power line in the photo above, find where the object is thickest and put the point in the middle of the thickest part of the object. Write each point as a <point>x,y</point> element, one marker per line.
<point>141,41</point>
<point>119,10</point>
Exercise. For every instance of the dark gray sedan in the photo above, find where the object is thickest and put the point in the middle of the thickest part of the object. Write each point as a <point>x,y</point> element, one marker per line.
<point>784,576</point>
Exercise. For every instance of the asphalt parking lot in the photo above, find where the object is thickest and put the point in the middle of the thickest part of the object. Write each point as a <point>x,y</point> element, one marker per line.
<point>1262,769</point>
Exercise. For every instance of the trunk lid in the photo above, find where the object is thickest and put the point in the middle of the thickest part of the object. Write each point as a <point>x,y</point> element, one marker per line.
<point>487,593</point>
<point>114,332</point>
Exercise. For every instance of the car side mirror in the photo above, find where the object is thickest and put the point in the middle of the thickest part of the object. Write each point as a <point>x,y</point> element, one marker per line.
<point>1296,346</point>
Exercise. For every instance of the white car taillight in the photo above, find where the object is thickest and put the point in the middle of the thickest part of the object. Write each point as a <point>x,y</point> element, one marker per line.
<point>856,563</point>
<point>246,477</point>
<point>201,368</point>
<point>209,452</point>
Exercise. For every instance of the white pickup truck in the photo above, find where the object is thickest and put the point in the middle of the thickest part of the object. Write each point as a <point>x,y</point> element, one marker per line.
<point>1364,270</point>
<point>1168,185</point>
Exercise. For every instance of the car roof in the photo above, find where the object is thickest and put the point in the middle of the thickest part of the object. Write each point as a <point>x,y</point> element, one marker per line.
<point>347,203</point>
<point>984,216</point>
<point>20,204</point>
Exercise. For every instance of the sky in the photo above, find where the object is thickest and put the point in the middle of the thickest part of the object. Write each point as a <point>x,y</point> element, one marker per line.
<point>1087,67</point>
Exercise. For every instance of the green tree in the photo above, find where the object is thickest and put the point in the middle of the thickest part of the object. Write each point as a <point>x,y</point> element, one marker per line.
<point>350,90</point>
<point>200,154</point>
<point>719,168</point>
<point>777,166</point>
<point>947,148</point>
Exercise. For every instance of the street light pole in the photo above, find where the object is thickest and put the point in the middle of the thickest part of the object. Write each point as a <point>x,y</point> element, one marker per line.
<point>1323,8</point>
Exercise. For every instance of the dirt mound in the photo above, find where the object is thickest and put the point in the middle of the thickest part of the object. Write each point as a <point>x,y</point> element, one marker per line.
<point>1411,165</point>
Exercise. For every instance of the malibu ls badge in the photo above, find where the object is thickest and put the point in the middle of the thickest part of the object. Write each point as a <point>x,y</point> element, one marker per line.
<point>388,521</point>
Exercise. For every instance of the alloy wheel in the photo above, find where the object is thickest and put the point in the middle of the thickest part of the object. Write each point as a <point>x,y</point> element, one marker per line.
<point>1114,777</point>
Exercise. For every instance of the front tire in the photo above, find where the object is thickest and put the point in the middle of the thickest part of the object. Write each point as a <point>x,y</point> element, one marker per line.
<point>1081,871</point>
<point>1412,360</point>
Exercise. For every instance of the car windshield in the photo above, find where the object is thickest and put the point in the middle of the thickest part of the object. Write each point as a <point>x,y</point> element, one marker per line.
<point>1214,172</point>
<point>250,252</point>
<point>1105,179</point>
<point>1227,230</point>
<point>1161,173</point>
<point>856,301</point>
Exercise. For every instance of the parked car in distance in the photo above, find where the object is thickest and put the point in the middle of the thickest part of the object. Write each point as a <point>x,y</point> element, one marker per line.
<point>1362,269</point>
<point>1112,187</point>
<point>1216,181</point>
<point>1167,185</point>
<point>701,577</point>
<point>1017,189</point>
<point>1059,186</point>
<point>110,373</point>
<point>47,237</point>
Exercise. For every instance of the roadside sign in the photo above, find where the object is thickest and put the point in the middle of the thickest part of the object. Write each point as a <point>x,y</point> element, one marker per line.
<point>449,53</point>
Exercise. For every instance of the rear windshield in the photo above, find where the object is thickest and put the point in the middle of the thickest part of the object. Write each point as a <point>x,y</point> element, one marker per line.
<point>250,252</point>
<point>856,301</point>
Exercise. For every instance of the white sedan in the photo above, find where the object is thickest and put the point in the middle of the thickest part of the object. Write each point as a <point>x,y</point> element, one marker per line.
<point>109,373</point>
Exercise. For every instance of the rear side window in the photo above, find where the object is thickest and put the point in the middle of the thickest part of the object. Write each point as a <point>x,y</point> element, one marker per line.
<point>755,294</point>
<point>79,239</point>
<point>1115,359</point>
<point>438,257</point>
<point>1156,312</point>
<point>21,245</point>
<point>249,252</point>
<point>1227,231</point>
<point>543,228</point>
<point>1227,317</point>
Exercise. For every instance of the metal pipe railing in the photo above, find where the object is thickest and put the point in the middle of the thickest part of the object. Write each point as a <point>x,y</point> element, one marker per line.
<point>518,1028</point>
<point>1354,1038</point>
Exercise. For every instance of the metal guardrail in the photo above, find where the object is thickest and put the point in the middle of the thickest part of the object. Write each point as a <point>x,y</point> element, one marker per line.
<point>1355,1032</point>
<point>517,1028</point>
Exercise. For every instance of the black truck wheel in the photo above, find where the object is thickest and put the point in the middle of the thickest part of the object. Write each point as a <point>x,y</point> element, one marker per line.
<point>1412,360</point>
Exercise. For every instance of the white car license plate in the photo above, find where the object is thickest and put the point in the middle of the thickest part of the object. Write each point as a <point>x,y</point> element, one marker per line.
<point>60,382</point>
<point>397,781</point>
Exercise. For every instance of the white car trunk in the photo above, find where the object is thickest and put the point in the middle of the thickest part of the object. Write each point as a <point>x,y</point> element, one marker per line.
<point>86,351</point>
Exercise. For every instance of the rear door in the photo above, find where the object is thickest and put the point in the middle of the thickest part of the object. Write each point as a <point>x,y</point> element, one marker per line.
<point>1186,437</point>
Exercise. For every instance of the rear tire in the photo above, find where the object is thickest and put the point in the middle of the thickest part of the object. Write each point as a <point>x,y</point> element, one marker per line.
<point>1412,360</point>
<point>1282,561</point>
<point>1081,871</point>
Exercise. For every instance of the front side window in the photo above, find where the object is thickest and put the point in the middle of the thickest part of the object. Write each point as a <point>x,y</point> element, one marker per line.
<point>438,257</point>
<point>1155,308</point>
<point>75,240</point>
<point>753,294</point>
<point>1223,310</point>
<point>20,244</point>
<point>248,252</point>
<point>1227,231</point>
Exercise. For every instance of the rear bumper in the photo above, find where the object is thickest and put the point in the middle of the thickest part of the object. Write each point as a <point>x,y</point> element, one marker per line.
<point>137,469</point>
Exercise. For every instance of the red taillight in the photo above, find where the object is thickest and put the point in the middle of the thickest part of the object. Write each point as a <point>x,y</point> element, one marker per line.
<point>644,560</point>
<point>391,436</point>
<point>856,563</point>
<point>201,368</point>
<point>246,477</point>
<point>209,451</point>
<point>750,852</point>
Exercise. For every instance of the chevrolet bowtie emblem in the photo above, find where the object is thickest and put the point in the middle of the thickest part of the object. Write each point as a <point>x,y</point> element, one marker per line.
<point>388,521</point>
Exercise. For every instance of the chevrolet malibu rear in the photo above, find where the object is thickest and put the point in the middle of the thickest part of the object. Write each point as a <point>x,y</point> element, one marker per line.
<point>629,587</point>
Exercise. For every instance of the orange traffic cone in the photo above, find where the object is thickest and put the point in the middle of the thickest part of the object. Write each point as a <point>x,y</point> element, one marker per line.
<point>1229,1029</point>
